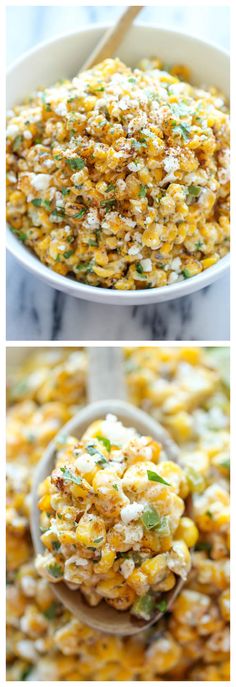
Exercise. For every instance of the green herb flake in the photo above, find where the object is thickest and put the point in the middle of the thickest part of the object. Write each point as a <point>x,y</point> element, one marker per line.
<point>17,143</point>
<point>55,570</point>
<point>75,163</point>
<point>195,480</point>
<point>37,202</point>
<point>139,268</point>
<point>203,546</point>
<point>182,130</point>
<point>225,463</point>
<point>80,214</point>
<point>115,486</point>
<point>144,606</point>
<point>51,612</point>
<point>20,235</point>
<point>194,191</point>
<point>106,442</point>
<point>108,204</point>
<point>69,477</point>
<point>132,80</point>
<point>68,253</point>
<point>150,518</point>
<point>40,202</point>
<point>98,540</point>
<point>110,188</point>
<point>186,273</point>
<point>56,545</point>
<point>209,514</point>
<point>162,605</point>
<point>84,267</point>
<point>25,673</point>
<point>65,191</point>
<point>199,245</point>
<point>143,191</point>
<point>154,477</point>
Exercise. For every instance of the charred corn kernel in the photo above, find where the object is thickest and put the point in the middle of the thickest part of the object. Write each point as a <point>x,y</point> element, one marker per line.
<point>138,580</point>
<point>91,531</point>
<point>190,606</point>
<point>187,531</point>
<point>155,569</point>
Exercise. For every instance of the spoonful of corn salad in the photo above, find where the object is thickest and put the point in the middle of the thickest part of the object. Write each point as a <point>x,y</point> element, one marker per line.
<point>109,520</point>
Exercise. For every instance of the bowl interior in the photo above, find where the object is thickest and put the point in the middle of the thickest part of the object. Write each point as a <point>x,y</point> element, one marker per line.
<point>62,58</point>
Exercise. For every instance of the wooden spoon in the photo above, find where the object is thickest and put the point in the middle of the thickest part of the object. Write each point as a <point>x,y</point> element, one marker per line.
<point>112,38</point>
<point>105,381</point>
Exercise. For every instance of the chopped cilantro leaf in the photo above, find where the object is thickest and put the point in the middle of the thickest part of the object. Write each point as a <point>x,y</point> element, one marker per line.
<point>80,213</point>
<point>51,612</point>
<point>75,163</point>
<point>55,570</point>
<point>182,130</point>
<point>154,477</point>
<point>106,442</point>
<point>68,253</point>
<point>69,477</point>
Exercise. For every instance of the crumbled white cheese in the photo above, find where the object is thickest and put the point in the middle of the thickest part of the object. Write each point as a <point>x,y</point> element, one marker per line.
<point>134,166</point>
<point>61,109</point>
<point>146,265</point>
<point>170,164</point>
<point>85,462</point>
<point>48,163</point>
<point>116,432</point>
<point>41,181</point>
<point>133,250</point>
<point>131,512</point>
<point>127,568</point>
<point>27,134</point>
<point>173,277</point>
<point>176,264</point>
<point>12,131</point>
<point>127,236</point>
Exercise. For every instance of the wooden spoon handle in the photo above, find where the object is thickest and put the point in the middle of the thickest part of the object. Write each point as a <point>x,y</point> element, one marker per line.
<point>105,374</point>
<point>112,38</point>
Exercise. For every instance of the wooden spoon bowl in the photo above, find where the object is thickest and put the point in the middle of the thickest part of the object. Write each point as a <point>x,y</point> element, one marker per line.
<point>102,617</point>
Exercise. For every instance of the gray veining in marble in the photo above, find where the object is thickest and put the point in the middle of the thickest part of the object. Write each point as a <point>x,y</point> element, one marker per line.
<point>37,312</point>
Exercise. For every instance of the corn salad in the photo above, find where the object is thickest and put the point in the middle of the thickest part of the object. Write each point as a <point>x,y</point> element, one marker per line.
<point>120,177</point>
<point>111,517</point>
<point>184,390</point>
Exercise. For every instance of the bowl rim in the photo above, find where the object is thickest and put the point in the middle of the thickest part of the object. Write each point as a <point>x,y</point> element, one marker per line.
<point>78,289</point>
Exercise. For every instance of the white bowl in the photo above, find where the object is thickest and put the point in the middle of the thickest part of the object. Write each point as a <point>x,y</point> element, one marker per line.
<point>62,57</point>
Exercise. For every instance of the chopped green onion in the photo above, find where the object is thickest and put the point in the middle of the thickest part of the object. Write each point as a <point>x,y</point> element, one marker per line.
<point>162,606</point>
<point>144,607</point>
<point>150,518</point>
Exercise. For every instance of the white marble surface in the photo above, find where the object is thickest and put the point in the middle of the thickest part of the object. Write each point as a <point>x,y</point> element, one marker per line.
<point>37,312</point>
